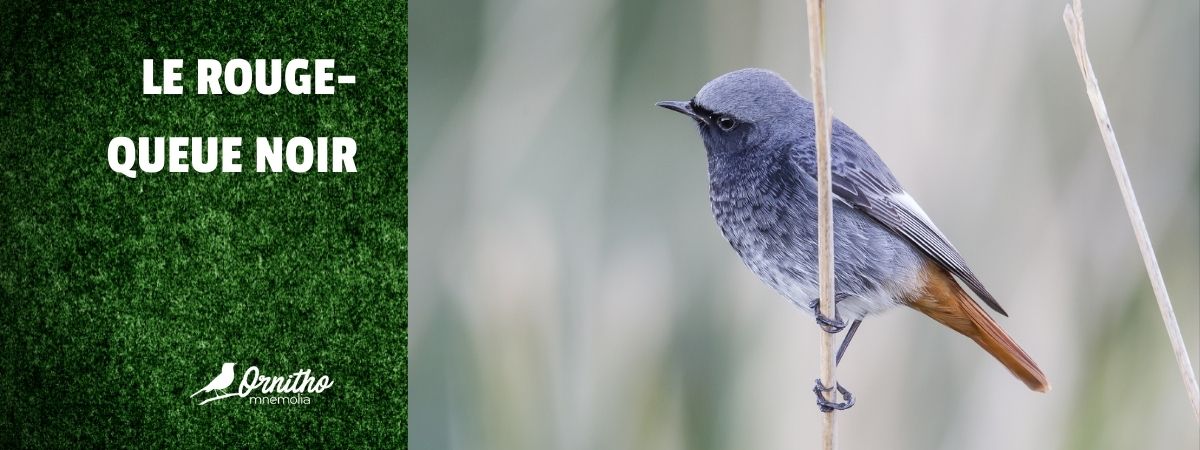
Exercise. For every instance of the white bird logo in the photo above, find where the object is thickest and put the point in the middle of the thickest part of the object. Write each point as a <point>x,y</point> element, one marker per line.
<point>221,382</point>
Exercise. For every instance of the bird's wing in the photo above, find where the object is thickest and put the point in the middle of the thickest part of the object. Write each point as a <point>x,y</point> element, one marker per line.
<point>861,180</point>
<point>223,381</point>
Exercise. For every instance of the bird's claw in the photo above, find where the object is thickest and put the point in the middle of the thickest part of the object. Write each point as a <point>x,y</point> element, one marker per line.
<point>827,406</point>
<point>831,326</point>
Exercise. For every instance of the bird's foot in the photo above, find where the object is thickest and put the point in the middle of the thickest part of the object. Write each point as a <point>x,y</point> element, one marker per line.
<point>831,326</point>
<point>825,405</point>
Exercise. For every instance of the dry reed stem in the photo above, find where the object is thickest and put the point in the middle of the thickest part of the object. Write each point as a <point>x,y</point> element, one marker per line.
<point>1073,18</point>
<point>822,122</point>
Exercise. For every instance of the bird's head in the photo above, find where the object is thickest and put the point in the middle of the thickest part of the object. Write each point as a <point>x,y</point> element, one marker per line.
<point>740,111</point>
<point>227,365</point>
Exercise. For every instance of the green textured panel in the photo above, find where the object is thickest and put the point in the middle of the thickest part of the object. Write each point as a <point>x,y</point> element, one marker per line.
<point>121,297</point>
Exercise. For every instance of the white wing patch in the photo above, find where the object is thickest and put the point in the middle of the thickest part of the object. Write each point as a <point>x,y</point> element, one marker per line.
<point>905,200</point>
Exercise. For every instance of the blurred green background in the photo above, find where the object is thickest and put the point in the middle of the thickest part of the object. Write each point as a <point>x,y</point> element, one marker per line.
<point>120,297</point>
<point>571,291</point>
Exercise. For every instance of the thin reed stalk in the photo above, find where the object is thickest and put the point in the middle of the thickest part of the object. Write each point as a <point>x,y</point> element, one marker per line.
<point>1073,18</point>
<point>822,122</point>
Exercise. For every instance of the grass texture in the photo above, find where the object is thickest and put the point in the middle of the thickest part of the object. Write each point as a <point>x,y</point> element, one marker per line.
<point>121,297</point>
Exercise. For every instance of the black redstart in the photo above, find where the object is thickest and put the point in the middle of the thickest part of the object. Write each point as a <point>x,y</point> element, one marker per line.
<point>759,137</point>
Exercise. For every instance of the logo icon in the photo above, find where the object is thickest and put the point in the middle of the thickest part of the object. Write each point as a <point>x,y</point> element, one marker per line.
<point>298,384</point>
<point>221,382</point>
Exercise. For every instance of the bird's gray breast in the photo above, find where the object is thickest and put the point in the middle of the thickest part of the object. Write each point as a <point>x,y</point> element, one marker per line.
<point>767,209</point>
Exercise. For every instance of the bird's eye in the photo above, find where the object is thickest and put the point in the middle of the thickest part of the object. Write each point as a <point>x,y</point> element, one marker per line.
<point>726,123</point>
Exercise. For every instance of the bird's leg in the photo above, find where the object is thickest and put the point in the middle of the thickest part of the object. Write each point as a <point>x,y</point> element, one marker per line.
<point>825,405</point>
<point>831,326</point>
<point>820,390</point>
<point>846,341</point>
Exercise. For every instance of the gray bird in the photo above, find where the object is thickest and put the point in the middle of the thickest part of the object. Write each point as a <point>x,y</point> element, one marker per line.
<point>221,382</point>
<point>759,137</point>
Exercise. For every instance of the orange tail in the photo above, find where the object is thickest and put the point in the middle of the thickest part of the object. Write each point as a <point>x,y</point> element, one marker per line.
<point>946,302</point>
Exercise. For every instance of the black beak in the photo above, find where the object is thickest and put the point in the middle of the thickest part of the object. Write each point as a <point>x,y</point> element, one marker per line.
<point>684,108</point>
